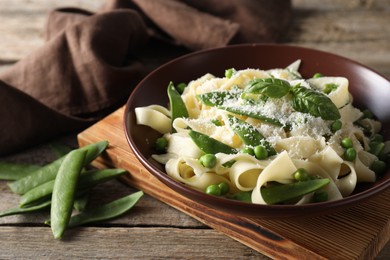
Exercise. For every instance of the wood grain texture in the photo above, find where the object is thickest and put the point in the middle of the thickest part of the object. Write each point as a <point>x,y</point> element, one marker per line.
<point>81,243</point>
<point>357,29</point>
<point>357,233</point>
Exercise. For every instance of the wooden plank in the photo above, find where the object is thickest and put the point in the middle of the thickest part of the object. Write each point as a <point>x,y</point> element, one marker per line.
<point>314,238</point>
<point>120,243</point>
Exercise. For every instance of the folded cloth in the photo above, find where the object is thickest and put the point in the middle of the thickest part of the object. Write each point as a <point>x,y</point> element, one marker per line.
<point>91,61</point>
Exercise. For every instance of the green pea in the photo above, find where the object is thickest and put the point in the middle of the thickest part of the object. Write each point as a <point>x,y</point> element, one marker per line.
<point>261,152</point>
<point>330,87</point>
<point>301,175</point>
<point>367,114</point>
<point>336,125</point>
<point>208,160</point>
<point>49,171</point>
<point>350,154</point>
<point>224,188</point>
<point>346,142</point>
<point>161,144</point>
<point>379,167</point>
<point>317,75</point>
<point>213,189</point>
<point>64,191</point>
<point>181,87</point>
<point>320,196</point>
<point>106,211</point>
<point>229,73</point>
<point>248,150</point>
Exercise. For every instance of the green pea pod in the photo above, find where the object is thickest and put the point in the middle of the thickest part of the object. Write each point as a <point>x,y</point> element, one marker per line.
<point>280,193</point>
<point>247,133</point>
<point>81,202</point>
<point>210,145</point>
<point>64,191</point>
<point>87,179</point>
<point>218,98</point>
<point>18,210</point>
<point>107,211</point>
<point>49,171</point>
<point>178,108</point>
<point>252,114</point>
<point>59,149</point>
<point>15,171</point>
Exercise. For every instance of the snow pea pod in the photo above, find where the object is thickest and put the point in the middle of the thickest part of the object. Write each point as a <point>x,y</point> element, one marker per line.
<point>178,108</point>
<point>210,145</point>
<point>218,98</point>
<point>15,171</point>
<point>81,202</point>
<point>280,193</point>
<point>87,179</point>
<point>252,114</point>
<point>18,210</point>
<point>106,211</point>
<point>249,134</point>
<point>64,191</point>
<point>49,171</point>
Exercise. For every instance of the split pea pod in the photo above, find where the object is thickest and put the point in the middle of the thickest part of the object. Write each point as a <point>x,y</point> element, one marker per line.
<point>280,193</point>
<point>87,179</point>
<point>64,191</point>
<point>49,171</point>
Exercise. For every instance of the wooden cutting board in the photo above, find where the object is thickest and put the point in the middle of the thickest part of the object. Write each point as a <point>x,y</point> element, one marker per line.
<point>356,233</point>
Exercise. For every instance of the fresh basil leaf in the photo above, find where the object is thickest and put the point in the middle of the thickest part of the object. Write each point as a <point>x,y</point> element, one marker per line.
<point>270,87</point>
<point>315,103</point>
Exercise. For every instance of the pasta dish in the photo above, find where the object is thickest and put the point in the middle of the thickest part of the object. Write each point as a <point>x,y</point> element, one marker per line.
<point>267,136</point>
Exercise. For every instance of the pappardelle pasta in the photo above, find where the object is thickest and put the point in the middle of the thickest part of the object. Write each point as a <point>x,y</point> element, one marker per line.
<point>267,136</point>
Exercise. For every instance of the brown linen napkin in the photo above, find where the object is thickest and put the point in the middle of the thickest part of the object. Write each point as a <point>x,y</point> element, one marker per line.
<point>91,62</point>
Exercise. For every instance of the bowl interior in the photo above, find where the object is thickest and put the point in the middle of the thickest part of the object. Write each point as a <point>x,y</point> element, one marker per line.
<point>368,88</point>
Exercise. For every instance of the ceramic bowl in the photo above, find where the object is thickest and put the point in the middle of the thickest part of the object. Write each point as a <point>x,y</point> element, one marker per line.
<point>368,88</point>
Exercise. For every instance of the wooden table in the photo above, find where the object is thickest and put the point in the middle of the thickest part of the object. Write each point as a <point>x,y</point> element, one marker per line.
<point>356,29</point>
